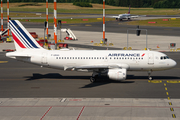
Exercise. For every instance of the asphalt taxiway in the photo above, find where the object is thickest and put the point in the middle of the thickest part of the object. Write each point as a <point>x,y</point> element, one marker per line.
<point>111,26</point>
<point>23,80</point>
<point>30,92</point>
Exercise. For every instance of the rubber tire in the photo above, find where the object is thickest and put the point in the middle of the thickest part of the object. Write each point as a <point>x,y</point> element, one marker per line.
<point>92,79</point>
<point>150,78</point>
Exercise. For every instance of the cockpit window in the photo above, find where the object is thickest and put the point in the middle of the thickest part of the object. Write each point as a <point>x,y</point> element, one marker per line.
<point>164,57</point>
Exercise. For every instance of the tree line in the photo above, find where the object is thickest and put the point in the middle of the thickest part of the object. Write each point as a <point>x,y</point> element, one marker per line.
<point>122,3</point>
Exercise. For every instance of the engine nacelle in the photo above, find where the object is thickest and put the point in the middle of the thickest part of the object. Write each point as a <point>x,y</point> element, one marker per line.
<point>117,74</point>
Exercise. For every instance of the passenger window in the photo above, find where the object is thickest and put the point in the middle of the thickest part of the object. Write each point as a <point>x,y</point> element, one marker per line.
<point>161,58</point>
<point>164,57</point>
<point>114,58</point>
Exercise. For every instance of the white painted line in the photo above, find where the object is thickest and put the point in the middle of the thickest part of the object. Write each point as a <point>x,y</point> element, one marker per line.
<point>63,100</point>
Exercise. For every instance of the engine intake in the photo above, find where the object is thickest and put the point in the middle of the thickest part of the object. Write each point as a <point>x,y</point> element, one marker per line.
<point>117,74</point>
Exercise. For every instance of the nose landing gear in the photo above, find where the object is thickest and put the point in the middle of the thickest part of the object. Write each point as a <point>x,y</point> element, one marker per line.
<point>149,75</point>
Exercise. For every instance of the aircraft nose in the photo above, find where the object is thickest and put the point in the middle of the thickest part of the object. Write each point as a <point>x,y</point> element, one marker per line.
<point>173,63</point>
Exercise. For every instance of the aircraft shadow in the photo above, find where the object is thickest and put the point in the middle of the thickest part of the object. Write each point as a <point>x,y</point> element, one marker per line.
<point>105,81</point>
<point>130,77</point>
<point>37,76</point>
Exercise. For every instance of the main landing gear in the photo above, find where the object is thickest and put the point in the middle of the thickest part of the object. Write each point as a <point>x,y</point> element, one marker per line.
<point>93,79</point>
<point>149,75</point>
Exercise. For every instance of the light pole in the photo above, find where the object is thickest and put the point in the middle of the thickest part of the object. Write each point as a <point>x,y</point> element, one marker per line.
<point>138,32</point>
<point>59,23</point>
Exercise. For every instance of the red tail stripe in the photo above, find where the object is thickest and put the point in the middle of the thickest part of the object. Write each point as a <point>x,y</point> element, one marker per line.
<point>17,41</point>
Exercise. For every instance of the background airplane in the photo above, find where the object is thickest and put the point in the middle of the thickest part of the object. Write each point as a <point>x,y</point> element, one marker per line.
<point>113,63</point>
<point>128,16</point>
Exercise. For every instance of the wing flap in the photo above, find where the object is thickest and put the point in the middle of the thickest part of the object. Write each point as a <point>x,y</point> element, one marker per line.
<point>109,66</point>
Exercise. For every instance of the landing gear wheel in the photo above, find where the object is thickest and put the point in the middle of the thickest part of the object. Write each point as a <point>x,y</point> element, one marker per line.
<point>92,79</point>
<point>150,78</point>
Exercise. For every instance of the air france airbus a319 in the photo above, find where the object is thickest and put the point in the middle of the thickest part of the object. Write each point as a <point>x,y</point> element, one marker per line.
<point>128,16</point>
<point>113,63</point>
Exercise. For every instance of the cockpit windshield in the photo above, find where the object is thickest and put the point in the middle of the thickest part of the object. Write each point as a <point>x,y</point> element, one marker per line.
<point>164,57</point>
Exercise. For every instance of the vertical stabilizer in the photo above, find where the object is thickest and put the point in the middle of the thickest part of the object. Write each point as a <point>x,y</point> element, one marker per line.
<point>129,9</point>
<point>22,38</point>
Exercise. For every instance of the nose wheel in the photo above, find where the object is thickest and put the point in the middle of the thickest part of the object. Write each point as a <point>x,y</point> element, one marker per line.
<point>149,75</point>
<point>150,78</point>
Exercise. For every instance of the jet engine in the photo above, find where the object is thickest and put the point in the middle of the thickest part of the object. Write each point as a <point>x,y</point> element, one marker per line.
<point>117,74</point>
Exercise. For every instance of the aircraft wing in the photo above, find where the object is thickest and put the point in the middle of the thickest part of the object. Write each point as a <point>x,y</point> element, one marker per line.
<point>136,16</point>
<point>113,16</point>
<point>99,66</point>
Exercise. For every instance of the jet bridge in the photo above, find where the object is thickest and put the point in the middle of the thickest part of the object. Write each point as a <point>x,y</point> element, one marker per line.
<point>70,34</point>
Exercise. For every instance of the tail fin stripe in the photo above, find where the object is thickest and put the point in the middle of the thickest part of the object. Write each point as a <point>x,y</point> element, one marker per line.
<point>25,35</point>
<point>16,33</point>
<point>17,41</point>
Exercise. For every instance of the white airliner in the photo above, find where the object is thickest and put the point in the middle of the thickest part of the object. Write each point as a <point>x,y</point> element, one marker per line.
<point>128,16</point>
<point>114,63</point>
